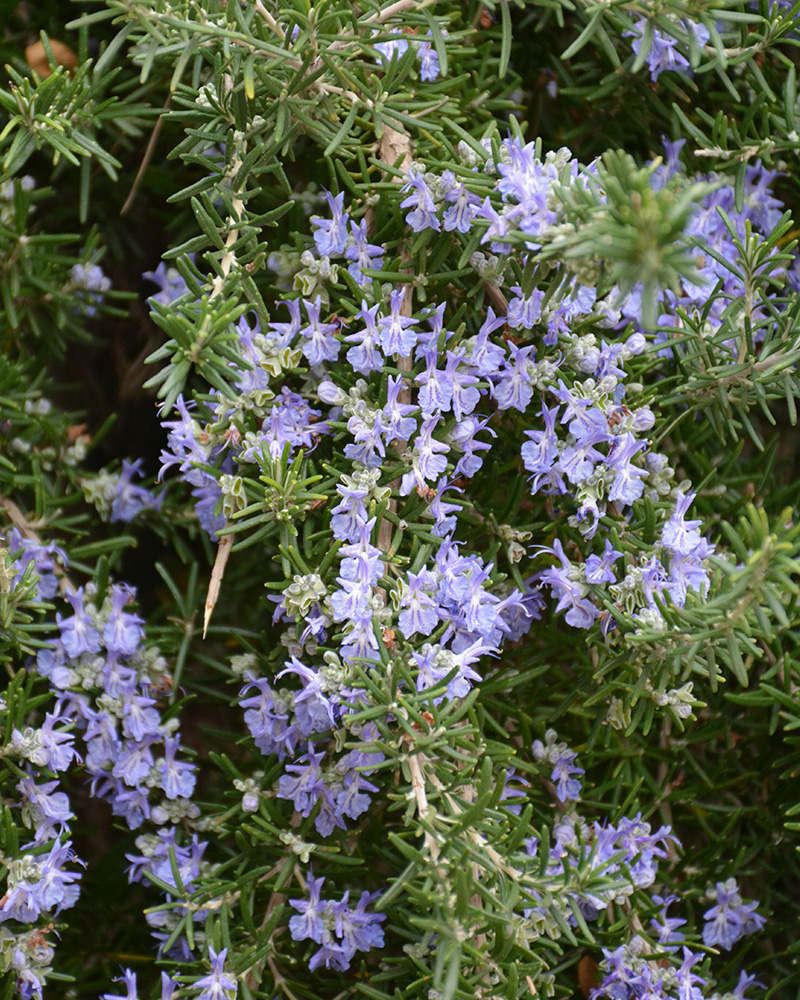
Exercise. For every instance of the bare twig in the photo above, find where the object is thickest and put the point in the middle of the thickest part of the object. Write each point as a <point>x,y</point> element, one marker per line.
<point>148,155</point>
<point>215,583</point>
<point>397,8</point>
<point>271,22</point>
<point>421,800</point>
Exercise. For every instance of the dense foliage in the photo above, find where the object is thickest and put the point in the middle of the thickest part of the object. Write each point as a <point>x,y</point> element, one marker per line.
<point>400,563</point>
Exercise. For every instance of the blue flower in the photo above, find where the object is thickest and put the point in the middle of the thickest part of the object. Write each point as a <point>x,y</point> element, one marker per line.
<point>39,884</point>
<point>128,979</point>
<point>563,761</point>
<point>321,344</point>
<point>423,208</point>
<point>394,331</point>
<point>430,451</point>
<point>122,633</point>
<point>177,777</point>
<point>663,53</point>
<point>463,438</point>
<point>465,394</point>
<point>313,709</point>
<point>572,594</point>
<point>331,234</point>
<point>267,718</point>
<point>44,809</point>
<point>170,281</point>
<point>428,64</point>
<point>307,786</point>
<point>284,333</point>
<point>350,513</point>
<point>308,922</point>
<point>364,355</point>
<point>678,535</point>
<point>216,985</point>
<point>513,388</point>
<point>487,358</point>
<point>731,918</point>
<point>420,610</point>
<point>337,927</point>
<point>78,633</point>
<point>463,204</point>
<point>394,47</point>
<point>128,499</point>
<point>397,420</point>
<point>45,558</point>
<point>598,568</point>
<point>667,927</point>
<point>436,393</point>
<point>364,255</point>
<point>525,313</point>
<point>91,285</point>
<point>627,485</point>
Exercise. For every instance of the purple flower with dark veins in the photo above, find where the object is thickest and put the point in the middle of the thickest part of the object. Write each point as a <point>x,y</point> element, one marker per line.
<point>321,344</point>
<point>423,208</point>
<point>364,255</point>
<point>304,785</point>
<point>216,985</point>
<point>394,331</point>
<point>731,918</point>
<point>128,980</point>
<point>123,631</point>
<point>331,235</point>
<point>78,633</point>
<point>364,356</point>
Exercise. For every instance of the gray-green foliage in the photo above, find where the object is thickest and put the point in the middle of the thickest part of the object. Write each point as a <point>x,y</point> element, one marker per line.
<point>682,712</point>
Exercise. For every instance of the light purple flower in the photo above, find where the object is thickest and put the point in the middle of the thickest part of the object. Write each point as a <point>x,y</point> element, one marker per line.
<point>731,918</point>
<point>217,985</point>
<point>340,930</point>
<point>129,500</point>
<point>663,53</point>
<point>362,254</point>
<point>321,344</point>
<point>304,785</point>
<point>394,331</point>
<point>128,979</point>
<point>423,208</point>
<point>330,235</point>
<point>78,633</point>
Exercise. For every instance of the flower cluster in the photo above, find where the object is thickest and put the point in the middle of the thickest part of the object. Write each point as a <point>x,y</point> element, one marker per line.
<point>453,455</point>
<point>426,54</point>
<point>553,365</point>
<point>284,720</point>
<point>629,850</point>
<point>109,684</point>
<point>730,918</point>
<point>40,883</point>
<point>46,561</point>
<point>589,446</point>
<point>115,495</point>
<point>563,761</point>
<point>664,51</point>
<point>338,928</point>
<point>89,285</point>
<point>631,970</point>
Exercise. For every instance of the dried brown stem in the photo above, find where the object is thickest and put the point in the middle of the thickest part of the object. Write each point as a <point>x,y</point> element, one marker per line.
<point>148,156</point>
<point>215,583</point>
